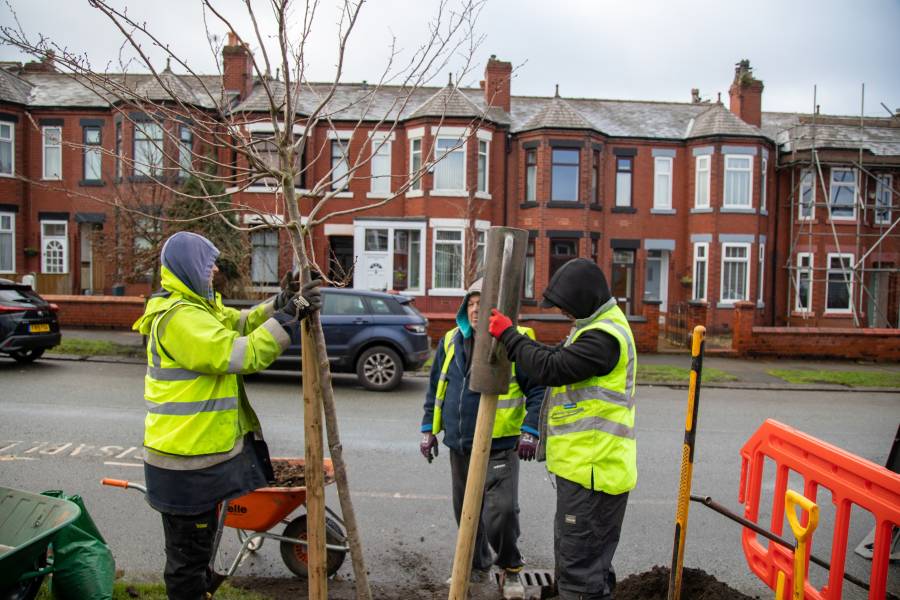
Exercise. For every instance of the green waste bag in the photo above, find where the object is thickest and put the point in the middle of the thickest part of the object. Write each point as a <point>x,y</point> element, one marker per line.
<point>83,565</point>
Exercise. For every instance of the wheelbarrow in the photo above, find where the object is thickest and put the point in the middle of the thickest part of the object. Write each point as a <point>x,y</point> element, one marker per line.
<point>255,514</point>
<point>28,524</point>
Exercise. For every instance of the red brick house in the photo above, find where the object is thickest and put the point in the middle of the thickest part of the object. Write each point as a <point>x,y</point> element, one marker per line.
<point>678,202</point>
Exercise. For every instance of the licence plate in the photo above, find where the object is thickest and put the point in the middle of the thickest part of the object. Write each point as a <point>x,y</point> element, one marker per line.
<point>39,328</point>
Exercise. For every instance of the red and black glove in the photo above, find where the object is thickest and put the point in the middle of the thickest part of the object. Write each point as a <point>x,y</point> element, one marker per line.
<point>527,446</point>
<point>498,323</point>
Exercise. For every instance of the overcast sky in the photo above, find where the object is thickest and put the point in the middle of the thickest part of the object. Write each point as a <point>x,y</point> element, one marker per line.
<point>638,50</point>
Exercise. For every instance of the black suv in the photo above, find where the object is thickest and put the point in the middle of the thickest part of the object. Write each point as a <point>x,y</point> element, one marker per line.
<point>28,323</point>
<point>374,334</point>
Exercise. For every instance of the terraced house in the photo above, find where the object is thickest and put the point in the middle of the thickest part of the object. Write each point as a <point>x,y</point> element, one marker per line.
<point>684,205</point>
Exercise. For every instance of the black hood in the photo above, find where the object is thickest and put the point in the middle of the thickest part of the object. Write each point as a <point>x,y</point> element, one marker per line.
<point>578,287</point>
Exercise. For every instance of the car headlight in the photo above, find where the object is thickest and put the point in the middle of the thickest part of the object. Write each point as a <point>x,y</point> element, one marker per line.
<point>415,328</point>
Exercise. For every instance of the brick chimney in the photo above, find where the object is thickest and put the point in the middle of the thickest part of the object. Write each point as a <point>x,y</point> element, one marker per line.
<point>237,67</point>
<point>497,75</point>
<point>746,94</point>
<point>44,66</point>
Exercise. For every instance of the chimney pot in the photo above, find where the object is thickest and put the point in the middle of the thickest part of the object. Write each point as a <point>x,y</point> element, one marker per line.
<point>695,95</point>
<point>745,94</point>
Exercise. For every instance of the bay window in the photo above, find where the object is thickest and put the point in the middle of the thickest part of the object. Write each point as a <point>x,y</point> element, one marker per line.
<point>528,288</point>
<point>380,165</point>
<point>839,287</point>
<point>842,196</point>
<point>564,174</point>
<point>623,181</point>
<point>531,175</point>
<point>448,259</point>
<point>7,148</point>
<point>807,205</point>
<point>450,168</point>
<point>93,154</point>
<point>760,271</point>
<point>340,165</point>
<point>701,182</point>
<point>482,167</point>
<point>883,199</point>
<point>415,164</point>
<point>7,242</point>
<point>738,181</point>
<point>148,149</point>
<point>185,150</point>
<point>264,257</point>
<point>735,272</point>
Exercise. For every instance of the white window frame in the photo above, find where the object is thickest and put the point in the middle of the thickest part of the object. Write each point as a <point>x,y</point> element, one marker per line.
<point>811,185</point>
<point>45,146</point>
<point>438,291</point>
<point>724,249</point>
<point>264,285</point>
<point>141,165</point>
<point>11,140</point>
<point>763,184</point>
<point>12,233</point>
<point>832,184</point>
<point>64,239</point>
<point>482,191</point>
<point>416,186</point>
<point>705,260</point>
<point>440,162</point>
<point>621,200</point>
<point>664,190</point>
<point>884,187</point>
<point>531,188</point>
<point>360,226</point>
<point>261,128</point>
<point>346,178</point>
<point>726,170</point>
<point>760,272</point>
<point>828,272</point>
<point>806,270</point>
<point>92,151</point>
<point>702,170</point>
<point>185,150</point>
<point>382,148</point>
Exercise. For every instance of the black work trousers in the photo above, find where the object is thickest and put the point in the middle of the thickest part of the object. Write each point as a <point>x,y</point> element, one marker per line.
<point>585,535</point>
<point>189,541</point>
<point>499,525</point>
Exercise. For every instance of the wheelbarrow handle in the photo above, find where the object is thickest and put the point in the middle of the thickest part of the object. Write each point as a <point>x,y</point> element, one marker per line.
<point>122,483</point>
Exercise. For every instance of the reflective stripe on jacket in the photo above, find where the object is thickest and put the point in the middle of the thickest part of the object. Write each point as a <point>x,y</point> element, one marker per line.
<point>590,425</point>
<point>510,406</point>
<point>196,405</point>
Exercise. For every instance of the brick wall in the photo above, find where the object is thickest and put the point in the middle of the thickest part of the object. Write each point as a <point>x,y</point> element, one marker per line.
<point>814,342</point>
<point>100,312</point>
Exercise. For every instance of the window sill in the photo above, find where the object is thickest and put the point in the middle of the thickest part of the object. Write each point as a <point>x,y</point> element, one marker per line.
<point>415,194</point>
<point>624,209</point>
<point>803,314</point>
<point>528,205</point>
<point>700,211</point>
<point>636,319</point>
<point>738,211</point>
<point>764,213</point>
<point>663,211</point>
<point>483,195</point>
<point>378,195</point>
<point>837,314</point>
<point>564,204</point>
<point>847,221</point>
<point>10,175</point>
<point>451,193</point>
<point>343,195</point>
<point>807,220</point>
<point>760,305</point>
<point>597,207</point>
<point>407,292</point>
<point>51,178</point>
<point>92,183</point>
<point>446,292</point>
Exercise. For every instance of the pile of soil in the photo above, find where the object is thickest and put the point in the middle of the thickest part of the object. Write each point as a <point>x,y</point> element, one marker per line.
<point>288,474</point>
<point>696,584</point>
<point>650,585</point>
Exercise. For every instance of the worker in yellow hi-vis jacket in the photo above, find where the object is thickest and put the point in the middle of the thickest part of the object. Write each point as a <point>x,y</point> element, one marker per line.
<point>202,440</point>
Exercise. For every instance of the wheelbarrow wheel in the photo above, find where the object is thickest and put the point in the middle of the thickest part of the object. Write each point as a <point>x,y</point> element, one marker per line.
<point>296,557</point>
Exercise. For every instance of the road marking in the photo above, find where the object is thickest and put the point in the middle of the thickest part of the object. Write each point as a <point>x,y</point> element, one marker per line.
<point>7,458</point>
<point>122,464</point>
<point>67,450</point>
<point>399,496</point>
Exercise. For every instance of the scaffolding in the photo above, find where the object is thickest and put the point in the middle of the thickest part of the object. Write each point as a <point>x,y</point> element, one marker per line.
<point>859,278</point>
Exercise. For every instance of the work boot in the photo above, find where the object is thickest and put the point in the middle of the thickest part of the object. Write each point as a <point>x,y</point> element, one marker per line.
<point>513,588</point>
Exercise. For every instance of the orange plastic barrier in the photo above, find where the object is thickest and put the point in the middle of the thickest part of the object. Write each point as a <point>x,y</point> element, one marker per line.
<point>850,479</point>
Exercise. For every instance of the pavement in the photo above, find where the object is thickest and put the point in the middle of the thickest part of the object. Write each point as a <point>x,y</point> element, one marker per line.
<point>751,372</point>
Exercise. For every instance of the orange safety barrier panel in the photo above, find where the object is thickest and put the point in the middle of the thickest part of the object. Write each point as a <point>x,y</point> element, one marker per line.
<point>850,479</point>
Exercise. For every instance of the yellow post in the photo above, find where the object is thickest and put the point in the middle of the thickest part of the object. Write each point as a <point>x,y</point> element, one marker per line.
<point>792,500</point>
<point>687,462</point>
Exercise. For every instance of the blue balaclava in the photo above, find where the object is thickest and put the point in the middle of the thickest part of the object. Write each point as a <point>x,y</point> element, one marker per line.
<point>190,257</point>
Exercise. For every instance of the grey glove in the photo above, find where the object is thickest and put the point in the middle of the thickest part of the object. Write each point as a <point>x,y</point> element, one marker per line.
<point>290,285</point>
<point>301,305</point>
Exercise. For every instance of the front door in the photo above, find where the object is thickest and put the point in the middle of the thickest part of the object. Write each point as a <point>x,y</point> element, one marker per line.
<point>340,259</point>
<point>656,286</point>
<point>878,300</point>
<point>86,247</point>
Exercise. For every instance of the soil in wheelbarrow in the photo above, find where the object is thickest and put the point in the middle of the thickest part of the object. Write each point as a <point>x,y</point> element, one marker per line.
<point>288,474</point>
<point>649,585</point>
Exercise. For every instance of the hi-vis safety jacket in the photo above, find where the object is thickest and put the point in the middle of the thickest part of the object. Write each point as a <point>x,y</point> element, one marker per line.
<point>452,407</point>
<point>196,350</point>
<point>590,424</point>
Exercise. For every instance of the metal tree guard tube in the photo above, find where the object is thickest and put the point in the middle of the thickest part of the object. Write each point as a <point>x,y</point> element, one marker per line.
<point>504,269</point>
<point>687,462</point>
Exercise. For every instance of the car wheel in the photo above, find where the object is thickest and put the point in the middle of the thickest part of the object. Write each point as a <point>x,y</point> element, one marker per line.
<point>379,368</point>
<point>27,356</point>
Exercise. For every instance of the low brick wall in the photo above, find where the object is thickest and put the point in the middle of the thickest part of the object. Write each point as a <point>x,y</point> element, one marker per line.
<point>98,312</point>
<point>821,342</point>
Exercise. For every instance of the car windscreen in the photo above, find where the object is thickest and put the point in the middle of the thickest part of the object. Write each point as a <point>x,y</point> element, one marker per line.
<point>15,295</point>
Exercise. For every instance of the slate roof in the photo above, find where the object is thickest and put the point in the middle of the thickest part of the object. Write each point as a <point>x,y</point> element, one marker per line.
<point>13,89</point>
<point>352,101</point>
<point>718,120</point>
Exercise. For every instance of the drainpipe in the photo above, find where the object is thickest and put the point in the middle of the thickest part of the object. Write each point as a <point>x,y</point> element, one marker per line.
<point>773,214</point>
<point>506,179</point>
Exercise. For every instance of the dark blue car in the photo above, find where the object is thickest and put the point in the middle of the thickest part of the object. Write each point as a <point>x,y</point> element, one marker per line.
<point>374,334</point>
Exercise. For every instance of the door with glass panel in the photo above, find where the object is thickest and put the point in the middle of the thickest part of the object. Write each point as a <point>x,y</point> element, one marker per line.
<point>656,282</point>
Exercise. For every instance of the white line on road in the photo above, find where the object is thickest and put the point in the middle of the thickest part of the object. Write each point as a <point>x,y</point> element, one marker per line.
<point>399,496</point>
<point>6,458</point>
<point>122,464</point>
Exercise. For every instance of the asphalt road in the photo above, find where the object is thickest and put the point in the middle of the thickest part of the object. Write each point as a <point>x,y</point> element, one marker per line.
<point>65,424</point>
